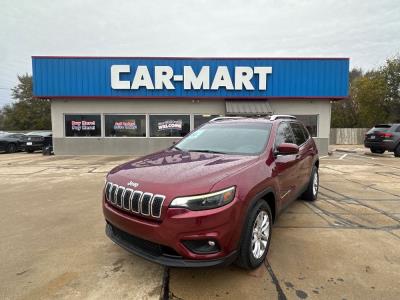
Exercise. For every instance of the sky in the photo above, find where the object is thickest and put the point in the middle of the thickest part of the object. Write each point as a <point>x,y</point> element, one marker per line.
<point>366,31</point>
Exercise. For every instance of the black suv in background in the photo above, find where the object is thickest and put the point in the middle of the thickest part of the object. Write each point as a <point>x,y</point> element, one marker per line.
<point>38,140</point>
<point>383,137</point>
<point>11,142</point>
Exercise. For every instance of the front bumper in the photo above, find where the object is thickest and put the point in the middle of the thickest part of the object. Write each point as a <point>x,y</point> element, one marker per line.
<point>154,252</point>
<point>33,146</point>
<point>178,225</point>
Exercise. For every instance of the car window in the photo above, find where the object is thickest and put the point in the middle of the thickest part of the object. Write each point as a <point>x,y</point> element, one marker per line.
<point>298,133</point>
<point>284,134</point>
<point>305,132</point>
<point>226,137</point>
<point>380,128</point>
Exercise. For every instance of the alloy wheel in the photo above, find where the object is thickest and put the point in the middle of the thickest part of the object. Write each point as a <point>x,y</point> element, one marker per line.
<point>260,234</point>
<point>315,184</point>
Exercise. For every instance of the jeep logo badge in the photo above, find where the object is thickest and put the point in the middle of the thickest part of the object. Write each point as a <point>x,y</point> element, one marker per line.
<point>133,184</point>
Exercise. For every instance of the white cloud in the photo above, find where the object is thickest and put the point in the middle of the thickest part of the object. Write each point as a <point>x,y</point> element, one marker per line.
<point>365,31</point>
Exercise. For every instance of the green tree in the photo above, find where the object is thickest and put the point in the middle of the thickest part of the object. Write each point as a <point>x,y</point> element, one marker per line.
<point>374,97</point>
<point>27,112</point>
<point>1,119</point>
<point>391,75</point>
<point>345,112</point>
<point>370,93</point>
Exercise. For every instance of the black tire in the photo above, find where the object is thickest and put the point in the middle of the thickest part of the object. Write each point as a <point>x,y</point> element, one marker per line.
<point>29,150</point>
<point>11,148</point>
<point>378,151</point>
<point>397,151</point>
<point>311,194</point>
<point>246,258</point>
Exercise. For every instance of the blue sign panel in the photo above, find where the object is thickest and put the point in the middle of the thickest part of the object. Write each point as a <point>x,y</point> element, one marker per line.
<point>80,77</point>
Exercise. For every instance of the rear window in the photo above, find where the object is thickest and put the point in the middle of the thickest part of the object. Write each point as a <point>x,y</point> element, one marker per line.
<point>380,128</point>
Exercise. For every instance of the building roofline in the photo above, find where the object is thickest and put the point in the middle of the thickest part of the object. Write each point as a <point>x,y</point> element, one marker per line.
<point>193,58</point>
<point>333,98</point>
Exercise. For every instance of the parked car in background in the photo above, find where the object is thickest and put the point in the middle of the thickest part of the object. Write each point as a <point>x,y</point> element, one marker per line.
<point>383,137</point>
<point>212,198</point>
<point>11,142</point>
<point>38,140</point>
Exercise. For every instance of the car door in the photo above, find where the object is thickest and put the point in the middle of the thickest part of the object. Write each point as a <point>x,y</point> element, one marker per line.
<point>285,165</point>
<point>305,158</point>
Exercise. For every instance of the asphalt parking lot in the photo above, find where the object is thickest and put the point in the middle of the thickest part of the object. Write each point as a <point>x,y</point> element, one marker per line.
<point>346,245</point>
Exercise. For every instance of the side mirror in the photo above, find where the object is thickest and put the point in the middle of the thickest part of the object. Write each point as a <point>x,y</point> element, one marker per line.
<point>287,149</point>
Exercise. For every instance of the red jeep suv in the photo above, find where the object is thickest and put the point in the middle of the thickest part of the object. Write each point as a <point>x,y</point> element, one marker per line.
<point>212,198</point>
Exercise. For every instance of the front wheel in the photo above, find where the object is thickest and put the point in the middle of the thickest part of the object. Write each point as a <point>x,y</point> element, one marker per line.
<point>11,148</point>
<point>311,192</point>
<point>257,237</point>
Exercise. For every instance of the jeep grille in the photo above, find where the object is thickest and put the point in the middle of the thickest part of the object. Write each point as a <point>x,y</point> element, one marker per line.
<point>134,201</point>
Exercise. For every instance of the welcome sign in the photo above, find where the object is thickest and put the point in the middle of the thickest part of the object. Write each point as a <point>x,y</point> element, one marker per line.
<point>136,77</point>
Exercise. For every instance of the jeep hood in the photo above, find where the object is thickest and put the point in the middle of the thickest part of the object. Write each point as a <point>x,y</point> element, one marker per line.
<point>177,173</point>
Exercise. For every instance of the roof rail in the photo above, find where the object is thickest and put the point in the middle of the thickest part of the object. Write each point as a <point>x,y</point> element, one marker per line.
<point>276,117</point>
<point>224,118</point>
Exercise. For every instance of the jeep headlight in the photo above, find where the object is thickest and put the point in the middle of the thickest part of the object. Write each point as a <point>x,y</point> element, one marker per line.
<point>206,201</point>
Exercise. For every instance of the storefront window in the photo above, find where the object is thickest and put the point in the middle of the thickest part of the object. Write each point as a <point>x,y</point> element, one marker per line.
<point>125,125</point>
<point>169,125</point>
<point>201,119</point>
<point>311,123</point>
<point>82,125</point>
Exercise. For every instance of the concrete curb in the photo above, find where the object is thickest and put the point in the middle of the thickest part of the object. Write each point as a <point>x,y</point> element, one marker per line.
<point>345,150</point>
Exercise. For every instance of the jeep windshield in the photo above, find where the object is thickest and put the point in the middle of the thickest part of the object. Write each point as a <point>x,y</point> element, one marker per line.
<point>228,138</point>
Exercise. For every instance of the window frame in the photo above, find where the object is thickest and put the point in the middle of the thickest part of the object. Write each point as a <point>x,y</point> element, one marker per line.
<point>85,137</point>
<point>168,114</point>
<point>146,117</point>
<point>201,114</point>
<point>306,115</point>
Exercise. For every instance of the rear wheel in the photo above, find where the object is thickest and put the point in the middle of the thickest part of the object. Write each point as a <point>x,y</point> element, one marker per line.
<point>397,151</point>
<point>378,151</point>
<point>311,192</point>
<point>11,148</point>
<point>257,237</point>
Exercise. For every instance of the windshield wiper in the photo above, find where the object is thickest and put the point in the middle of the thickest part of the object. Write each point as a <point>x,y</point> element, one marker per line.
<point>175,147</point>
<point>206,151</point>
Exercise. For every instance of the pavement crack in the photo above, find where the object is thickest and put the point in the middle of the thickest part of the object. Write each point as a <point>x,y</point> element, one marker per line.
<point>275,281</point>
<point>339,220</point>
<point>371,186</point>
<point>165,292</point>
<point>367,206</point>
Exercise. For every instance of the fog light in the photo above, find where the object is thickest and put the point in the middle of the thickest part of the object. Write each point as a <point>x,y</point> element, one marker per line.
<point>202,246</point>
